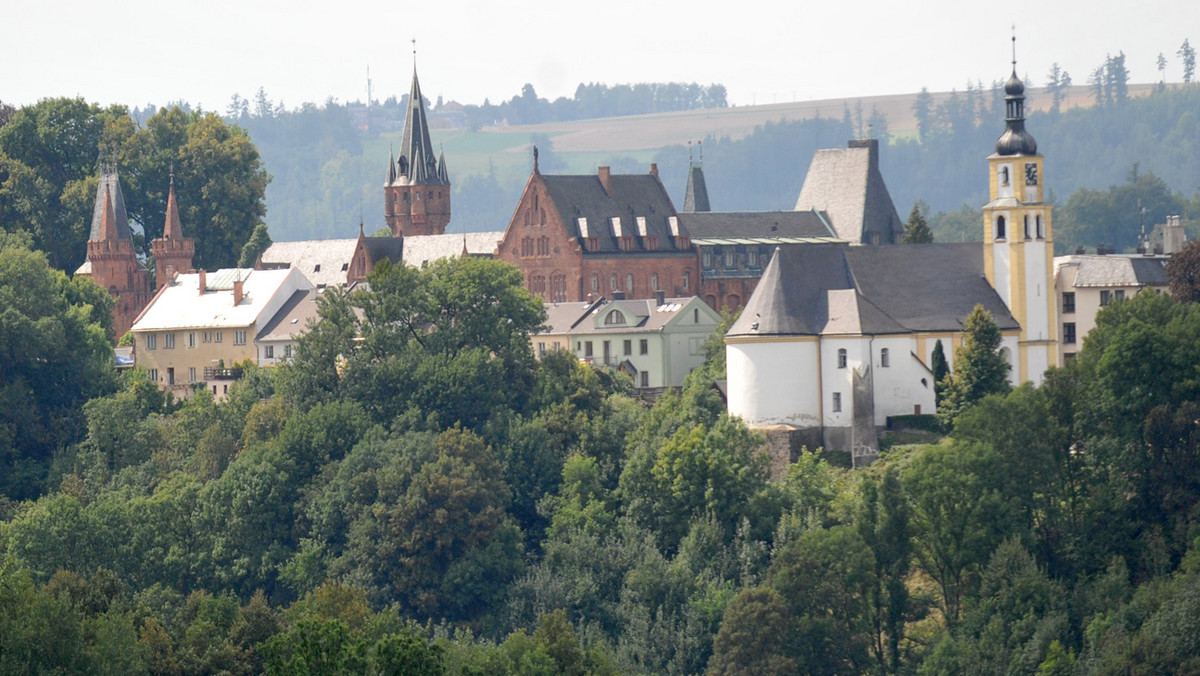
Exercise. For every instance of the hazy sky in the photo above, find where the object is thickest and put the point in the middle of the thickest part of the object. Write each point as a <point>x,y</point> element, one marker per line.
<point>204,52</point>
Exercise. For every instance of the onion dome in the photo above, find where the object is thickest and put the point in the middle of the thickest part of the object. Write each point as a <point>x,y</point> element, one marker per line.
<point>1015,140</point>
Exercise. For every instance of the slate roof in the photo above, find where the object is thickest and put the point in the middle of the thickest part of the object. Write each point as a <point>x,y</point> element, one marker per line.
<point>418,163</point>
<point>324,262</point>
<point>833,288</point>
<point>109,181</point>
<point>633,195</point>
<point>1098,271</point>
<point>846,183</point>
<point>291,319</point>
<point>756,224</point>
<point>696,197</point>
<point>421,249</point>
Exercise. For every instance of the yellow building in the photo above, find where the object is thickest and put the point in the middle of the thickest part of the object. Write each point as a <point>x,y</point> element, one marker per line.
<point>201,324</point>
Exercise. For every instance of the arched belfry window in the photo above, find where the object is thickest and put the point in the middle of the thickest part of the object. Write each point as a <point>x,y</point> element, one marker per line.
<point>1027,236</point>
<point>1003,175</point>
<point>1041,227</point>
<point>1000,233</point>
<point>842,358</point>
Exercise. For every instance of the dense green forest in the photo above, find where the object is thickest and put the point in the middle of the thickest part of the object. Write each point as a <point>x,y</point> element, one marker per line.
<point>417,493</point>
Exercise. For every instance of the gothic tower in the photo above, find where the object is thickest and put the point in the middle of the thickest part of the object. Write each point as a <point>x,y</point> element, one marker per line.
<point>172,252</point>
<point>417,189</point>
<point>1018,241</point>
<point>111,260</point>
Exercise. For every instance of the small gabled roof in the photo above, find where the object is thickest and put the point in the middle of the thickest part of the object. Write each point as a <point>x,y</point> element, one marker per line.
<point>758,224</point>
<point>837,289</point>
<point>633,196</point>
<point>846,183</point>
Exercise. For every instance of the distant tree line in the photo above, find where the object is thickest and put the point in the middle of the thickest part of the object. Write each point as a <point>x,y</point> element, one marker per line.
<point>597,100</point>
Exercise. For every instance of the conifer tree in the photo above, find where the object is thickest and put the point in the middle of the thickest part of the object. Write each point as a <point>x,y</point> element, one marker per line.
<point>979,368</point>
<point>916,230</point>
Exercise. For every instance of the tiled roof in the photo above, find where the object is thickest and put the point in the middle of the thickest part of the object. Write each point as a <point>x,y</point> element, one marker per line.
<point>633,196</point>
<point>422,249</point>
<point>181,305</point>
<point>1100,271</point>
<point>324,262</point>
<point>846,183</point>
<point>758,224</point>
<point>109,181</point>
<point>821,289</point>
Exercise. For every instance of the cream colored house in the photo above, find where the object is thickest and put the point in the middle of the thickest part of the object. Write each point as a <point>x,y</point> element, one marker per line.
<point>199,326</point>
<point>1083,284</point>
<point>657,341</point>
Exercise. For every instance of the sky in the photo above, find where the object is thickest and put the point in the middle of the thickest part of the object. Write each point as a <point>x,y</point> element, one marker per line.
<point>470,50</point>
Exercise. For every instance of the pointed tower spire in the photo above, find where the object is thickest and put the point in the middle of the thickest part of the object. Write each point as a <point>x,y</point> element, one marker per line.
<point>109,185</point>
<point>173,227</point>
<point>415,144</point>
<point>391,172</point>
<point>1015,140</point>
<point>696,196</point>
<point>417,198</point>
<point>108,223</point>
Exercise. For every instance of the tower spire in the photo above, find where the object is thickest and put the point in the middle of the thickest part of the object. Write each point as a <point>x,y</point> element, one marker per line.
<point>173,227</point>
<point>108,223</point>
<point>1015,140</point>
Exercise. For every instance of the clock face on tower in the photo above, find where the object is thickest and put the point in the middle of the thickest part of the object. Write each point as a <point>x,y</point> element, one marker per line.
<point>1031,176</point>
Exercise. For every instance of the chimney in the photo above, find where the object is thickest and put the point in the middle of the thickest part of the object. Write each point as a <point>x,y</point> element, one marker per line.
<point>203,281</point>
<point>618,295</point>
<point>606,180</point>
<point>238,292</point>
<point>872,146</point>
<point>660,297</point>
<point>654,169</point>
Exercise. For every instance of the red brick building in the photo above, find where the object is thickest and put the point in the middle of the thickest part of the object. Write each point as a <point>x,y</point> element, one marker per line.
<point>417,191</point>
<point>112,261</point>
<point>577,238</point>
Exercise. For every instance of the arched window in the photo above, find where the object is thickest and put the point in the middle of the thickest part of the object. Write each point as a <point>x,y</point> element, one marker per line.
<point>1003,175</point>
<point>1027,226</point>
<point>629,283</point>
<point>1041,227</point>
<point>612,281</point>
<point>615,317</point>
<point>654,281</point>
<point>595,282</point>
<point>1000,234</point>
<point>884,360</point>
<point>842,358</point>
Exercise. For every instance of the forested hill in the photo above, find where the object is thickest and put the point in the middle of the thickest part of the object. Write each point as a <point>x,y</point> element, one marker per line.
<point>326,172</point>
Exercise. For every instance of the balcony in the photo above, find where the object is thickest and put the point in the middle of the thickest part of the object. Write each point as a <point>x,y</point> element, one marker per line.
<point>222,373</point>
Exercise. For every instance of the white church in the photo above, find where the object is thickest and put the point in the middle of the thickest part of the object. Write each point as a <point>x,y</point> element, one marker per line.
<point>836,338</point>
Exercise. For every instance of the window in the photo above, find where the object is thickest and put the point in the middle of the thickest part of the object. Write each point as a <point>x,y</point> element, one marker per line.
<point>558,288</point>
<point>629,283</point>
<point>842,358</point>
<point>695,315</point>
<point>153,373</point>
<point>1069,333</point>
<point>587,348</point>
<point>1041,227</point>
<point>169,341</point>
<point>730,257</point>
<point>612,281</point>
<point>541,349</point>
<point>628,348</point>
<point>269,352</point>
<point>239,337</point>
<point>1003,175</point>
<point>171,376</point>
<point>1026,226</point>
<point>217,338</point>
<point>706,258</point>
<point>1119,294</point>
<point>644,346</point>
<point>1000,227</point>
<point>884,360</point>
<point>1105,297</point>
<point>654,281</point>
<point>287,351</point>
<point>645,379</point>
<point>595,282</point>
<point>1068,301</point>
<point>206,337</point>
<point>752,258</point>
<point>614,317</point>
<point>192,339</point>
<point>687,278</point>
<point>192,374</point>
<point>837,402</point>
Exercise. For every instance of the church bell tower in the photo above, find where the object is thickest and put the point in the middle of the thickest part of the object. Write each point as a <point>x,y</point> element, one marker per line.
<point>1018,240</point>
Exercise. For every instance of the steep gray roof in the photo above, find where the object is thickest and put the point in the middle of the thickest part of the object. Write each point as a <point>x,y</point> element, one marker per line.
<point>633,196</point>
<point>292,318</point>
<point>418,163</point>
<point>846,183</point>
<point>735,224</point>
<point>822,289</point>
<point>421,249</point>
<point>1121,271</point>
<point>109,180</point>
<point>696,197</point>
